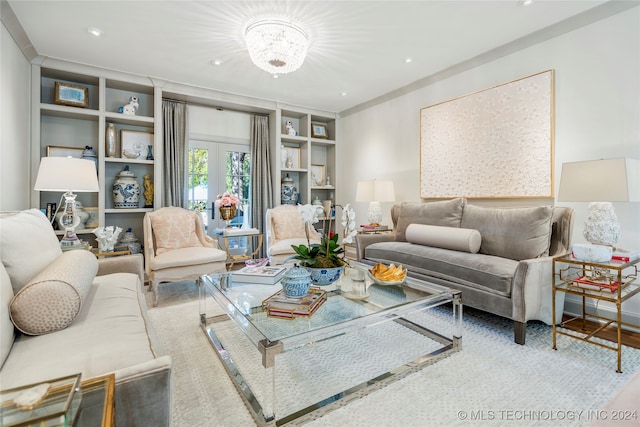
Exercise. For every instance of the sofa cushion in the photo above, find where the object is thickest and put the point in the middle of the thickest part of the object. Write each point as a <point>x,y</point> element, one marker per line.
<point>446,213</point>
<point>27,245</point>
<point>284,246</point>
<point>53,298</point>
<point>518,233</point>
<point>457,239</point>
<point>489,273</point>
<point>7,331</point>
<point>174,230</point>
<point>186,257</point>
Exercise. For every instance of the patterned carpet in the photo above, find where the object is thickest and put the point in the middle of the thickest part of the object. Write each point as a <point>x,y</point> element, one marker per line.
<point>491,381</point>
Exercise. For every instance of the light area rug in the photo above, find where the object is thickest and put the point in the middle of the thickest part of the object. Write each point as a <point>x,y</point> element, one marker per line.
<point>491,381</point>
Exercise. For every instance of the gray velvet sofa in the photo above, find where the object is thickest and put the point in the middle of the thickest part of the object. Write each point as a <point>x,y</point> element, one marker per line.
<point>500,258</point>
<point>63,313</point>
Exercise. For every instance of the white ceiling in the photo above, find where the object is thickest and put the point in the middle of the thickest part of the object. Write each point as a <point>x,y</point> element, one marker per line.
<point>357,47</point>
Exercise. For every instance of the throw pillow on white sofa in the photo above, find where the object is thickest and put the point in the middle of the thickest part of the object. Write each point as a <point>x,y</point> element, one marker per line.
<point>27,245</point>
<point>53,298</point>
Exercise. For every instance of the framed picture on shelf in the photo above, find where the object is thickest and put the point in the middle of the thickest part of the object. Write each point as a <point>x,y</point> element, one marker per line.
<point>60,151</point>
<point>319,130</point>
<point>293,158</point>
<point>136,145</point>
<point>68,94</point>
<point>317,175</point>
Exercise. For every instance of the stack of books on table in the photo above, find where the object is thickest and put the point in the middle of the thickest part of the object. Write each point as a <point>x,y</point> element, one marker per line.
<point>281,306</point>
<point>625,255</point>
<point>259,275</point>
<point>596,284</point>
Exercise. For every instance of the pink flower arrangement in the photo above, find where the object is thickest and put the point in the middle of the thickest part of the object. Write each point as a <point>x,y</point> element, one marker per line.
<point>227,199</point>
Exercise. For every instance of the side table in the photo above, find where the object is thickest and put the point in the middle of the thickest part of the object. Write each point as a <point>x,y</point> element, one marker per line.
<point>582,278</point>
<point>240,244</point>
<point>98,407</point>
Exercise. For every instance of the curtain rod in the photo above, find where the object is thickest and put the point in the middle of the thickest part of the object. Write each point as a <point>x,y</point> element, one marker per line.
<point>200,104</point>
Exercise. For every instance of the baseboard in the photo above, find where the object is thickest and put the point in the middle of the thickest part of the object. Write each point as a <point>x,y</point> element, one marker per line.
<point>574,308</point>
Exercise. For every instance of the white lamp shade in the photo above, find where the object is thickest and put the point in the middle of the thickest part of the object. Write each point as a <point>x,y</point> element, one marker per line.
<point>606,180</point>
<point>375,191</point>
<point>67,174</point>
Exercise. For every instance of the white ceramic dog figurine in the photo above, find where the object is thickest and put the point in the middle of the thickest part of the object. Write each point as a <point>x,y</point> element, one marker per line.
<point>289,127</point>
<point>131,107</point>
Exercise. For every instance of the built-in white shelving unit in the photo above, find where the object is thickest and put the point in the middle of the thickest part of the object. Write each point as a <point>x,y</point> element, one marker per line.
<point>55,125</point>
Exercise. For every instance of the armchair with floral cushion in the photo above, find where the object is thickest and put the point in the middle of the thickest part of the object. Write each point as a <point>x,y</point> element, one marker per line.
<point>177,248</point>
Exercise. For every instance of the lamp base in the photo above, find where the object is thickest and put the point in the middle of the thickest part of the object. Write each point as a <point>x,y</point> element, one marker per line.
<point>375,214</point>
<point>601,226</point>
<point>592,253</point>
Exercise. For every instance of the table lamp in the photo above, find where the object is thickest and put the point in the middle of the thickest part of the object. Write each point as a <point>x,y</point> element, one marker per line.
<point>67,174</point>
<point>374,192</point>
<point>601,182</point>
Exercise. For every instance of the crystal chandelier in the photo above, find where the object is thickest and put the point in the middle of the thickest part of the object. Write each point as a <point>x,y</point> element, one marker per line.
<point>276,45</point>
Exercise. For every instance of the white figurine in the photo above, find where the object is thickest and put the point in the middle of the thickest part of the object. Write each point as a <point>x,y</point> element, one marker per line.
<point>289,127</point>
<point>131,107</point>
<point>107,237</point>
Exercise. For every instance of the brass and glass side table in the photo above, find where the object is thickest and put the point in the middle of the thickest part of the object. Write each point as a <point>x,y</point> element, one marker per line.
<point>239,244</point>
<point>614,282</point>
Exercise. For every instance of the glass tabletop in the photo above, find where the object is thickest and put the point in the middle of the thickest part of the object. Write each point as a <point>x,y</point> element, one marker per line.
<point>352,301</point>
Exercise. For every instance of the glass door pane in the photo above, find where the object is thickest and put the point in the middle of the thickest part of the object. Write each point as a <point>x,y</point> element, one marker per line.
<point>213,169</point>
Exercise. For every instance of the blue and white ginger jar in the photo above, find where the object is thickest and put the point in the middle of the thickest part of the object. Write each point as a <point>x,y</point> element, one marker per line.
<point>126,190</point>
<point>296,282</point>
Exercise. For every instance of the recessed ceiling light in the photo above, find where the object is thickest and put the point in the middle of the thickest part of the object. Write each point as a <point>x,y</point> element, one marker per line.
<point>343,93</point>
<point>275,76</point>
<point>217,62</point>
<point>95,31</point>
<point>408,60</point>
<point>524,3</point>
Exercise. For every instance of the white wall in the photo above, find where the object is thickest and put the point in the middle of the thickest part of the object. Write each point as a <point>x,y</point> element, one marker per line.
<point>15,93</point>
<point>597,88</point>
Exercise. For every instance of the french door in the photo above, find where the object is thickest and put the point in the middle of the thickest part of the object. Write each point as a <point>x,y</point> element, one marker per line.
<point>215,168</point>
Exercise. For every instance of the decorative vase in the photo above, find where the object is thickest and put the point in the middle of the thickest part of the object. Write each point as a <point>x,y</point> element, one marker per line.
<point>89,154</point>
<point>126,190</point>
<point>245,216</point>
<point>288,192</point>
<point>131,241</point>
<point>149,152</point>
<point>110,140</point>
<point>324,276</point>
<point>296,282</point>
<point>228,213</point>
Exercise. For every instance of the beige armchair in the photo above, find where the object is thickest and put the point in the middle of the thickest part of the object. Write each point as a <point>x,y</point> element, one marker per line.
<point>283,228</point>
<point>177,248</point>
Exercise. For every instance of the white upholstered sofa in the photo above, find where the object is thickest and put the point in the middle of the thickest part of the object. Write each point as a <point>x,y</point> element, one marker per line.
<point>63,313</point>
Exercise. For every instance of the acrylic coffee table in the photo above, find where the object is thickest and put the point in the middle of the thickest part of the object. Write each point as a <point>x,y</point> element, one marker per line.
<point>355,341</point>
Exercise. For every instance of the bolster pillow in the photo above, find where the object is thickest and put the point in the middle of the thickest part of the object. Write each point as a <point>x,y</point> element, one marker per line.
<point>53,298</point>
<point>457,239</point>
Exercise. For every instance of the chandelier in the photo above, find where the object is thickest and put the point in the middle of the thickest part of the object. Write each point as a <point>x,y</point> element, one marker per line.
<point>276,45</point>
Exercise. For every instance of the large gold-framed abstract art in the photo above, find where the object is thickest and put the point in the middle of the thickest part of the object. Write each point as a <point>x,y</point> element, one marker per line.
<point>495,143</point>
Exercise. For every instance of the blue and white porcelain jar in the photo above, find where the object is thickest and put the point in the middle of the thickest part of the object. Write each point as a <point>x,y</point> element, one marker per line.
<point>289,193</point>
<point>296,282</point>
<point>126,190</point>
